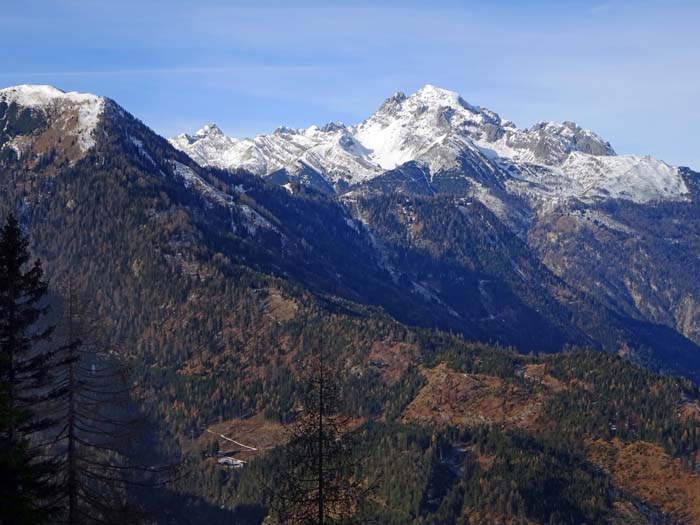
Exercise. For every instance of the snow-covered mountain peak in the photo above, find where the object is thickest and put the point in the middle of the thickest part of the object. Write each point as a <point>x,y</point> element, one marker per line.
<point>206,144</point>
<point>432,94</point>
<point>443,134</point>
<point>401,130</point>
<point>30,94</point>
<point>72,113</point>
<point>434,100</point>
<point>429,122</point>
<point>42,95</point>
<point>209,130</point>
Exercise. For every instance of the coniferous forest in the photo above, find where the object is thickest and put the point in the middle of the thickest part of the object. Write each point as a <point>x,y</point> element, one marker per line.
<point>89,437</point>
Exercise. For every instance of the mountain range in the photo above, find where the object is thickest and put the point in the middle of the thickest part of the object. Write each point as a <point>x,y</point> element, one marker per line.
<point>595,219</point>
<point>432,234</point>
<point>455,146</point>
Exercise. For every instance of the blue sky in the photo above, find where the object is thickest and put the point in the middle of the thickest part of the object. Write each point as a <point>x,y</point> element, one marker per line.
<point>629,70</point>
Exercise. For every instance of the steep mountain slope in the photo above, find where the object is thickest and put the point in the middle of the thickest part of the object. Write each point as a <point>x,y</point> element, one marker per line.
<point>302,236</point>
<point>217,285</point>
<point>24,110</point>
<point>431,263</point>
<point>557,186</point>
<point>641,260</point>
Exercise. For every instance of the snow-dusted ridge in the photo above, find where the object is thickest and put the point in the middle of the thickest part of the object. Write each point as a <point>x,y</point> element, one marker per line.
<point>56,103</point>
<point>435,128</point>
<point>438,129</point>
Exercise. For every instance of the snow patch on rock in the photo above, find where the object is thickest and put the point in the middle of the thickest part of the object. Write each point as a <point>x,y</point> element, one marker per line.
<point>441,132</point>
<point>55,103</point>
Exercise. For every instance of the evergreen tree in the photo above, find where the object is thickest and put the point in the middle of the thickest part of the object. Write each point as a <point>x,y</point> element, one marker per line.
<point>25,489</point>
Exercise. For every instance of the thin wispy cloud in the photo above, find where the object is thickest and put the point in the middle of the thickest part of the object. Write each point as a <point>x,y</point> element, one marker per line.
<point>170,71</point>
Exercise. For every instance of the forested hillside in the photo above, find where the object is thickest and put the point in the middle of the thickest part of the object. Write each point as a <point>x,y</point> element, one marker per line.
<point>438,321</point>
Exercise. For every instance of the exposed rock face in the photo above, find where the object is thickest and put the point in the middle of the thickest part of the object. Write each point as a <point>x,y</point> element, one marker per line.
<point>553,184</point>
<point>450,140</point>
<point>470,236</point>
<point>42,122</point>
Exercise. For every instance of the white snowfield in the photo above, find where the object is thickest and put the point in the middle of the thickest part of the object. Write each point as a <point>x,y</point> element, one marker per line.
<point>438,130</point>
<point>59,104</point>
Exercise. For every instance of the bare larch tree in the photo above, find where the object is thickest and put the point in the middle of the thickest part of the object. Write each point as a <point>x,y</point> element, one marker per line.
<point>318,482</point>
